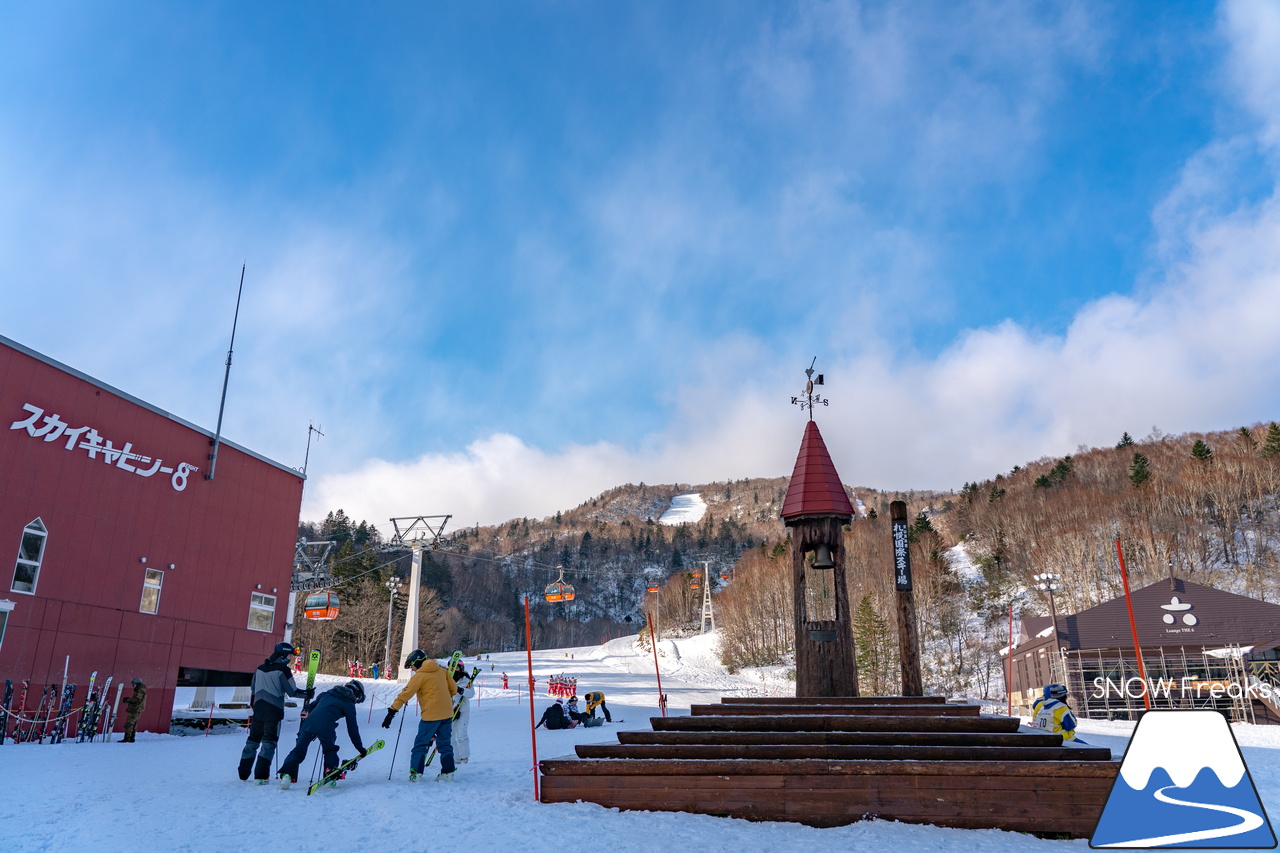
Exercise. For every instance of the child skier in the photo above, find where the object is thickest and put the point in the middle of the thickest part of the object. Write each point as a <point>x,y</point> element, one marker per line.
<point>462,714</point>
<point>1053,715</point>
<point>322,724</point>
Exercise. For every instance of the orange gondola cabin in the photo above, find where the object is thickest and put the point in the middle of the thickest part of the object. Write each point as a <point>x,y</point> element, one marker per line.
<point>560,590</point>
<point>321,606</point>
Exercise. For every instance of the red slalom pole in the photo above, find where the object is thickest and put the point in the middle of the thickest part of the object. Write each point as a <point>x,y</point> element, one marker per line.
<point>1137,649</point>
<point>653,641</point>
<point>533,729</point>
<point>1008,663</point>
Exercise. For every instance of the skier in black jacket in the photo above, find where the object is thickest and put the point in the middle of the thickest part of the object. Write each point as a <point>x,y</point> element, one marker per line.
<point>272,682</point>
<point>555,717</point>
<point>322,724</point>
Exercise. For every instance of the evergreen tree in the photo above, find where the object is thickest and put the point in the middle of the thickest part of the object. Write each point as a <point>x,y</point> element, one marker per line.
<point>1271,447</point>
<point>871,513</point>
<point>874,649</point>
<point>1201,451</point>
<point>1247,438</point>
<point>1126,440</point>
<point>1140,470</point>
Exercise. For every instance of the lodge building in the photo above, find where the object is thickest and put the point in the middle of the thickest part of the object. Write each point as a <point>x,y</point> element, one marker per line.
<point>1212,645</point>
<point>127,561</point>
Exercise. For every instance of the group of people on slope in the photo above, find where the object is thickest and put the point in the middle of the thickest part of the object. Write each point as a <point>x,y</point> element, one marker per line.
<point>442,699</point>
<point>562,716</point>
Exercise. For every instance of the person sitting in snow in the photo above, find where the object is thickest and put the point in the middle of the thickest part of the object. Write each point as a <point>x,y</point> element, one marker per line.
<point>1053,715</point>
<point>555,717</point>
<point>572,710</point>
<point>321,724</point>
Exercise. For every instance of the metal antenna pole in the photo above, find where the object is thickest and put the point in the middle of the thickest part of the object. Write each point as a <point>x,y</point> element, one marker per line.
<point>226,377</point>
<point>307,458</point>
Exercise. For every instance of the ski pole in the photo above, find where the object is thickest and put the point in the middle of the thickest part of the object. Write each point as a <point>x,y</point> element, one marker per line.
<point>395,748</point>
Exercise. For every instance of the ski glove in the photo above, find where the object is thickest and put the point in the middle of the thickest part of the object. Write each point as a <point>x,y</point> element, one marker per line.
<point>391,715</point>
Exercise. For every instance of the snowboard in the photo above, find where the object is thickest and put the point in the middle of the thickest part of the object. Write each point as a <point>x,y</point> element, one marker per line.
<point>333,776</point>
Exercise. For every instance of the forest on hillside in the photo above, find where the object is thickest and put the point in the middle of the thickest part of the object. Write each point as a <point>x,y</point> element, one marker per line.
<point>611,550</point>
<point>1203,506</point>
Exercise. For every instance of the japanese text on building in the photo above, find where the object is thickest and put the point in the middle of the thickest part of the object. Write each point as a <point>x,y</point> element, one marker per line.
<point>52,428</point>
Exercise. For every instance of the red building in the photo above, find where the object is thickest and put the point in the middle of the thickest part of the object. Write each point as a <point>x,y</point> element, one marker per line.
<point>129,562</point>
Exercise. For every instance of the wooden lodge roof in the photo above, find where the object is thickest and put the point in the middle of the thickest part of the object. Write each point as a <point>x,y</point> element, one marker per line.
<point>1168,613</point>
<point>815,487</point>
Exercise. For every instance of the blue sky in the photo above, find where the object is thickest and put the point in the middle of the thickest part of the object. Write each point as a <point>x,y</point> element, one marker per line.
<point>512,254</point>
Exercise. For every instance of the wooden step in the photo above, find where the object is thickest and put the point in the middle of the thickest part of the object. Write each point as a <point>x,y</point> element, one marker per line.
<point>1047,797</point>
<point>569,765</point>
<point>840,752</point>
<point>847,738</point>
<point>834,700</point>
<point>834,723</point>
<point>871,710</point>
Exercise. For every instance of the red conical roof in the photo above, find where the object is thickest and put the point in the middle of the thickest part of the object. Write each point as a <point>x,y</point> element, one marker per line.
<point>815,487</point>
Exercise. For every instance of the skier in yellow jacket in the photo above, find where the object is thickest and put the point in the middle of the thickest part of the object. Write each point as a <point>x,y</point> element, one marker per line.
<point>434,687</point>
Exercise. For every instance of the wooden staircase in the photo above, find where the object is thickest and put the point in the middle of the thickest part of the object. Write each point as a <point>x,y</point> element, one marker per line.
<point>833,761</point>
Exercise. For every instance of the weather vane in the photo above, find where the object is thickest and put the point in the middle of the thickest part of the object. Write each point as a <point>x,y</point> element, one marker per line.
<point>808,400</point>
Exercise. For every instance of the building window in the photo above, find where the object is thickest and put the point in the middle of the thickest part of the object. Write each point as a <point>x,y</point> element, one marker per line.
<point>30,553</point>
<point>6,607</point>
<point>262,612</point>
<point>151,591</point>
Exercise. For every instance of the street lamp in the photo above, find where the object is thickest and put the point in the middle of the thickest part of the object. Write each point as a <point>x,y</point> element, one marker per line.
<point>1048,582</point>
<point>393,587</point>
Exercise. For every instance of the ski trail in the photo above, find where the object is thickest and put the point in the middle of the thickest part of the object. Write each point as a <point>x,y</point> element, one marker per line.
<point>1249,821</point>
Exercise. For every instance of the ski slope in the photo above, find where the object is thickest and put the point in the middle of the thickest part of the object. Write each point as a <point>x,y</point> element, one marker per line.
<point>181,793</point>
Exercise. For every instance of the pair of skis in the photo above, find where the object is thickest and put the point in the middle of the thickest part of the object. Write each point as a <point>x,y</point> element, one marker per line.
<point>332,777</point>
<point>313,666</point>
<point>4,709</point>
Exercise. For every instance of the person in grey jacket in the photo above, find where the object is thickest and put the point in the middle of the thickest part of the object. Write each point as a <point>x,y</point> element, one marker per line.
<point>272,682</point>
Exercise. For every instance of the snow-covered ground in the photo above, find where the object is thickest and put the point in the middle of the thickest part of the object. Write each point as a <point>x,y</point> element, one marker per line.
<point>685,509</point>
<point>181,793</point>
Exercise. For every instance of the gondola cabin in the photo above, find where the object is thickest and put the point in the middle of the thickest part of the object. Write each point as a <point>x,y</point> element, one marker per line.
<point>567,591</point>
<point>695,582</point>
<point>321,606</point>
<point>724,574</point>
<point>653,587</point>
<point>553,592</point>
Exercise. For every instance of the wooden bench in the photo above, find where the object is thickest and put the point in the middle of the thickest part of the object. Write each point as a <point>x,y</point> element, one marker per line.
<point>834,761</point>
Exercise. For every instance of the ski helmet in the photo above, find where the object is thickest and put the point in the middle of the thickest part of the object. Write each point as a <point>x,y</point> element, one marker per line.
<point>416,658</point>
<point>1055,691</point>
<point>282,649</point>
<point>137,682</point>
<point>357,690</point>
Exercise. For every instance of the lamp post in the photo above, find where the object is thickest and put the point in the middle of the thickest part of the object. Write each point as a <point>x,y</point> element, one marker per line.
<point>393,587</point>
<point>1048,582</point>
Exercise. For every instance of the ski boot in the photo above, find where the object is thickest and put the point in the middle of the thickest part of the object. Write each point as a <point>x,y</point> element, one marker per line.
<point>285,781</point>
<point>444,777</point>
<point>414,776</point>
<point>246,766</point>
